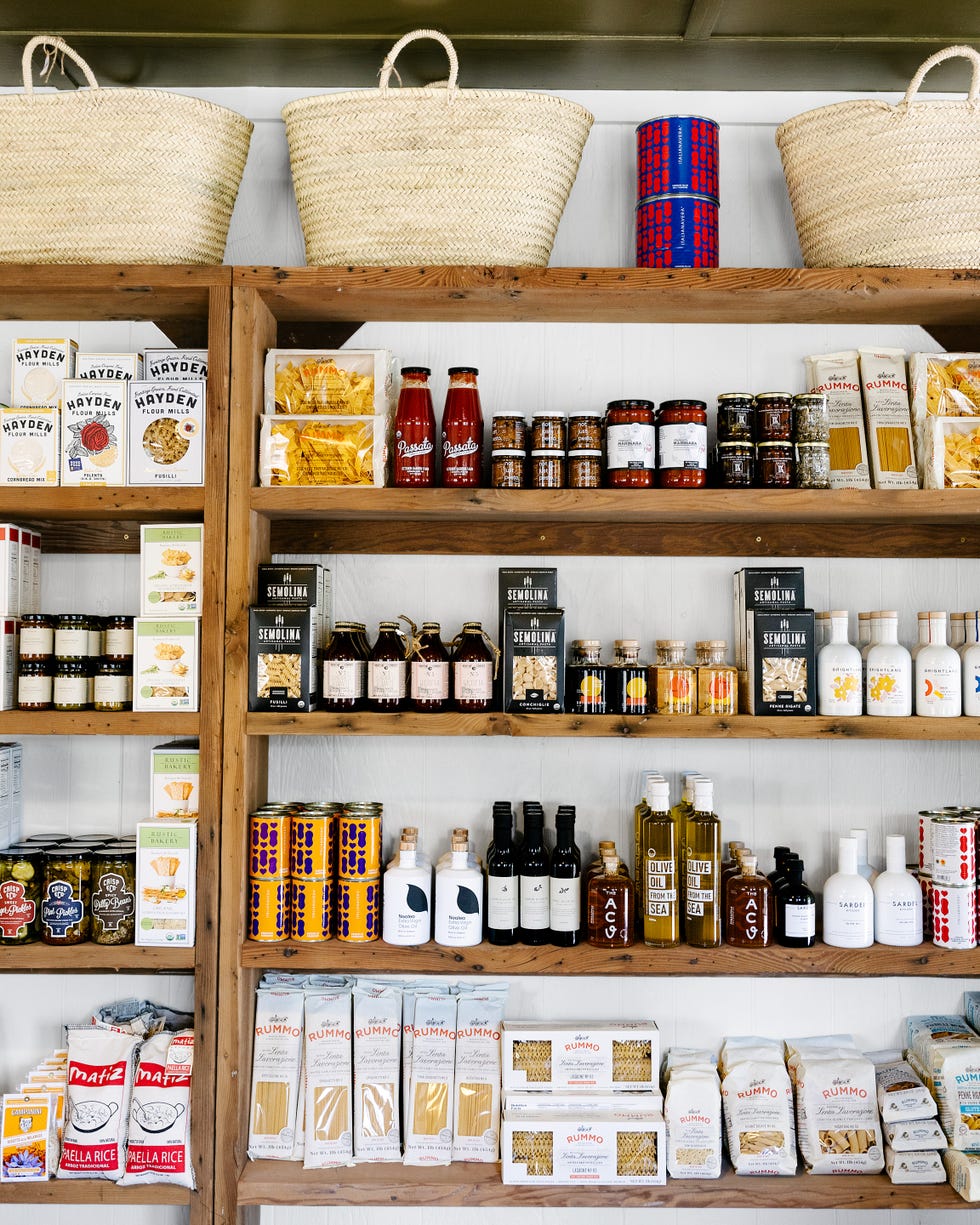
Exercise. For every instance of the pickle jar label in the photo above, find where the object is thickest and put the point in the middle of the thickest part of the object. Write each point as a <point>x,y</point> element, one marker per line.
<point>112,902</point>
<point>17,911</point>
<point>60,909</point>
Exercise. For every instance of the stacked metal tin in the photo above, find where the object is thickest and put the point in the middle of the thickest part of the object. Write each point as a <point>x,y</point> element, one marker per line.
<point>359,873</point>
<point>677,190</point>
<point>948,875</point>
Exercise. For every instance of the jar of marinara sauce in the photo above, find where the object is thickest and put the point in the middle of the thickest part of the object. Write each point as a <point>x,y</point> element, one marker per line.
<point>682,444</point>
<point>630,444</point>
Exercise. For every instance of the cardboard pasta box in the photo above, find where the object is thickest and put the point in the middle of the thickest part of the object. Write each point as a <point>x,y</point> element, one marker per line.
<point>125,366</point>
<point>763,587</point>
<point>93,432</point>
<point>174,365</point>
<point>622,1148</point>
<point>297,585</point>
<point>780,648</point>
<point>166,866</point>
<point>30,445</point>
<point>534,661</point>
<point>595,1055</point>
<point>166,432</point>
<point>39,366</point>
<point>171,569</point>
<point>282,669</point>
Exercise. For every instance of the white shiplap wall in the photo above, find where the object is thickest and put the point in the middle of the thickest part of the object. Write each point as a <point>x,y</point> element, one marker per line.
<point>766,792</point>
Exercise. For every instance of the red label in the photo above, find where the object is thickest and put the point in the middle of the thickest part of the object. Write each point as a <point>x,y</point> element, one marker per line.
<point>157,1074</point>
<point>85,1157</point>
<point>97,1073</point>
<point>155,1159</point>
<point>15,910</point>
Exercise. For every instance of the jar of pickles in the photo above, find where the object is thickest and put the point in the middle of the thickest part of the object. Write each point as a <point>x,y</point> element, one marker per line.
<point>775,465</point>
<point>736,465</point>
<point>21,877</point>
<point>65,898</point>
<point>735,416</point>
<point>585,678</point>
<point>113,894</point>
<point>774,417</point>
<point>674,681</point>
<point>717,679</point>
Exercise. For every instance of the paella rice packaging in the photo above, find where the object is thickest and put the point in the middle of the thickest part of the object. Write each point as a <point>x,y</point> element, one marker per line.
<point>100,1085</point>
<point>946,418</point>
<point>159,1120</point>
<point>344,382</point>
<point>323,450</point>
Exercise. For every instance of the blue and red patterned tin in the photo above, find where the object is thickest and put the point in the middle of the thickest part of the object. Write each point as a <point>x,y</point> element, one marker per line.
<point>677,232</point>
<point>677,154</point>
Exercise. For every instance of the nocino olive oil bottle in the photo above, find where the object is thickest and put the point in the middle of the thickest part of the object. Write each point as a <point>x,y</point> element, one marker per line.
<point>703,901</point>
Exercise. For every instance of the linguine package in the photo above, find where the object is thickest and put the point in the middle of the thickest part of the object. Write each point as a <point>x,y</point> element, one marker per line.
<point>276,1057</point>
<point>329,1083</point>
<point>429,1117</point>
<point>476,1116</point>
<point>377,1072</point>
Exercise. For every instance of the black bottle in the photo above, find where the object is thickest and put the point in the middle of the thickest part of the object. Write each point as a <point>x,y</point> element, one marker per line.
<point>503,883</point>
<point>566,881</point>
<point>796,910</point>
<point>779,853</point>
<point>535,880</point>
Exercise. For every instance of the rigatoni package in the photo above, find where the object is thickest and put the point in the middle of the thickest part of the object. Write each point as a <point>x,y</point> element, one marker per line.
<point>159,1119</point>
<point>837,1112</point>
<point>329,1081</point>
<point>429,1118</point>
<point>476,1116</point>
<point>758,1107</point>
<point>836,375</point>
<point>377,1044</point>
<point>276,1053</point>
<point>100,1084</point>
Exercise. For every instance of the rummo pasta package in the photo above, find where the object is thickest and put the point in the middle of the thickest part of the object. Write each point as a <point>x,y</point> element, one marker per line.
<point>913,1135</point>
<point>692,1113</point>
<point>100,1085</point>
<point>836,375</point>
<point>409,995</point>
<point>886,405</point>
<point>159,1118</point>
<point>276,1052</point>
<point>901,1093</point>
<point>758,1107</point>
<point>429,1118</point>
<point>377,1072</point>
<point>837,1111</point>
<point>589,1054</point>
<point>476,1117</point>
<point>329,1122</point>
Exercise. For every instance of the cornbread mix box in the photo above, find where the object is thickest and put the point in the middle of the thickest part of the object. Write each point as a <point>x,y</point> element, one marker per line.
<point>598,1055</point>
<point>621,1149</point>
<point>781,658</point>
<point>174,365</point>
<point>30,445</point>
<point>125,366</point>
<point>175,780</point>
<point>93,432</point>
<point>166,432</point>
<point>166,868</point>
<point>39,367</point>
<point>171,569</point>
<point>166,663</point>
<point>282,668</point>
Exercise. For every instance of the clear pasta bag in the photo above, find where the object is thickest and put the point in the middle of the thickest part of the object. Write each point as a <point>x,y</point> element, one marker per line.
<point>946,418</point>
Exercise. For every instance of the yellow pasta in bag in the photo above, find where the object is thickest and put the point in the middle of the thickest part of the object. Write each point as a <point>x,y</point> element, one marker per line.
<point>316,450</point>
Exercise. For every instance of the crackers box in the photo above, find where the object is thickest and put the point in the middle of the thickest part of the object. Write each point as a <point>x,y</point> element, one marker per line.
<point>30,445</point>
<point>622,1149</point>
<point>175,780</point>
<point>166,432</point>
<point>598,1055</point>
<point>171,569</point>
<point>93,432</point>
<point>166,663</point>
<point>39,367</point>
<point>781,658</point>
<point>282,668</point>
<point>166,862</point>
<point>126,366</point>
<point>175,365</point>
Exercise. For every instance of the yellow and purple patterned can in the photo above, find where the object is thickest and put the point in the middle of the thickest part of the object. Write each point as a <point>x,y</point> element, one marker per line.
<point>268,845</point>
<point>311,915</point>
<point>359,841</point>
<point>313,845</point>
<point>359,910</point>
<point>268,910</point>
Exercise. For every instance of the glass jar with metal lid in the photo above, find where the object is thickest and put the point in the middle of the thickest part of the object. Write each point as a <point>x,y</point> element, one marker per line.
<point>775,465</point>
<point>508,431</point>
<point>113,894</point>
<point>585,678</point>
<point>736,414</point>
<point>811,418</point>
<point>631,444</point>
<point>35,685</point>
<point>21,880</point>
<point>547,469</point>
<point>507,469</point>
<point>113,685</point>
<point>118,638</point>
<point>812,465</point>
<point>736,465</point>
<point>682,444</point>
<point>547,430</point>
<point>36,637</point>
<point>774,417</point>
<point>585,429</point>
<point>65,897</point>
<point>71,684</point>
<point>71,636</point>
<point>584,469</point>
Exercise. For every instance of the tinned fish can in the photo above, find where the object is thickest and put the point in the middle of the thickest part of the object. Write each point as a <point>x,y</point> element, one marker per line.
<point>359,910</point>
<point>925,884</point>
<point>925,837</point>
<point>268,910</point>
<point>268,845</point>
<point>677,153</point>
<point>954,851</point>
<point>313,845</point>
<point>359,841</point>
<point>954,917</point>
<point>311,904</point>
<point>677,232</point>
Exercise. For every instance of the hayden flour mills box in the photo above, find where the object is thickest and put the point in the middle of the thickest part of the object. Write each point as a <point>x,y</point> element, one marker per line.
<point>93,432</point>
<point>30,445</point>
<point>166,432</point>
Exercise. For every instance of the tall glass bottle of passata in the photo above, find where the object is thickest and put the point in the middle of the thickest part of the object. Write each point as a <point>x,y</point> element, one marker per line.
<point>473,669</point>
<point>429,668</point>
<point>344,669</point>
<point>462,430</point>
<point>387,670</point>
<point>630,444</point>
<point>414,461</point>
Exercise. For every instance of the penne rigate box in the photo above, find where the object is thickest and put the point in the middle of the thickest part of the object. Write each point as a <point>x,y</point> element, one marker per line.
<point>590,1055</point>
<point>623,1148</point>
<point>781,656</point>
<point>166,869</point>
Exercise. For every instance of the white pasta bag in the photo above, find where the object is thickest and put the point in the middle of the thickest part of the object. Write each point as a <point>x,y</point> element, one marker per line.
<point>902,1095</point>
<point>837,1112</point>
<point>159,1118</point>
<point>688,1057</point>
<point>429,1116</point>
<point>329,1115</point>
<point>410,991</point>
<point>476,1114</point>
<point>692,1113</point>
<point>796,1047</point>
<point>100,1084</point>
<point>757,1098</point>
<point>277,1050</point>
<point>377,1043</point>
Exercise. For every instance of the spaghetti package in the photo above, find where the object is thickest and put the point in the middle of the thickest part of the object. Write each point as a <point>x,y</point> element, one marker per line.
<point>276,1057</point>
<point>692,1113</point>
<point>837,1111</point>
<point>836,375</point>
<point>329,1124</point>
<point>410,993</point>
<point>757,1099</point>
<point>429,1118</point>
<point>28,1136</point>
<point>946,418</point>
<point>476,1116</point>
<point>159,1119</point>
<point>886,407</point>
<point>377,1043</point>
<point>100,1085</point>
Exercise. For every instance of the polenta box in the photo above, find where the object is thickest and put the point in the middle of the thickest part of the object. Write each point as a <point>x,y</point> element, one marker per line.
<point>93,432</point>
<point>30,449</point>
<point>166,663</point>
<point>175,365</point>
<point>171,568</point>
<point>166,861</point>
<point>108,366</point>
<point>166,432</point>
<point>175,780</point>
<point>39,367</point>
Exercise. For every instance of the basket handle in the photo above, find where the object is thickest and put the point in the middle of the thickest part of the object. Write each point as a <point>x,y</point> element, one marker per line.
<point>388,67</point>
<point>947,54</point>
<point>51,42</point>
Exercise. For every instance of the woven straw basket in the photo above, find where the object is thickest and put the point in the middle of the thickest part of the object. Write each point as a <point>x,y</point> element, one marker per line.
<point>881,185</point>
<point>133,176</point>
<point>438,175</point>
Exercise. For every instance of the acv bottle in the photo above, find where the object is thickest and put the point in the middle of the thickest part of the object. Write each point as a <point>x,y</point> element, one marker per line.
<point>898,898</point>
<point>473,669</point>
<point>459,897</point>
<point>610,908</point>
<point>748,907</point>
<point>386,670</point>
<point>848,903</point>
<point>839,672</point>
<point>889,671</point>
<point>407,910</point>
<point>462,430</point>
<point>938,674</point>
<point>429,670</point>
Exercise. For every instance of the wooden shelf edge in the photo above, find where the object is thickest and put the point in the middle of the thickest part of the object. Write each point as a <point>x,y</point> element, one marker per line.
<point>138,503</point>
<point>96,959</point>
<point>92,1191</point>
<point>376,957</point>
<point>679,727</point>
<point>92,723</point>
<point>287,1183</point>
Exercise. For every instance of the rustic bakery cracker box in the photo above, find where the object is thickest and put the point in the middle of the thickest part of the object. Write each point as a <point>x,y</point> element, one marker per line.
<point>93,432</point>
<point>166,432</point>
<point>166,663</point>
<point>166,864</point>
<point>171,569</point>
<point>30,445</point>
<point>175,780</point>
<point>781,662</point>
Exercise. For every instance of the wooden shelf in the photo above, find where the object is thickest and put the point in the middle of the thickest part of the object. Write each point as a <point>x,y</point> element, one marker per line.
<point>94,958</point>
<point>674,727</point>
<point>91,1191</point>
<point>474,1185</point>
<point>879,961</point>
<point>93,723</point>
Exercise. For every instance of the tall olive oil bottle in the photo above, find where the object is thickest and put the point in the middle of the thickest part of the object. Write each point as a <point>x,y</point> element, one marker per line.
<point>657,883</point>
<point>702,910</point>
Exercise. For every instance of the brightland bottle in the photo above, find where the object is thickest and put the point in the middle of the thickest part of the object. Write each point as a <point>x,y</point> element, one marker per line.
<point>889,672</point>
<point>839,672</point>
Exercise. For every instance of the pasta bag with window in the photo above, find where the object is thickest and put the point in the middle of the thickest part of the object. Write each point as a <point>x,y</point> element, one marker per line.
<point>946,418</point>
<point>837,1116</point>
<point>431,1093</point>
<point>692,1113</point>
<point>757,1100</point>
<point>476,1116</point>
<point>329,1125</point>
<point>323,450</point>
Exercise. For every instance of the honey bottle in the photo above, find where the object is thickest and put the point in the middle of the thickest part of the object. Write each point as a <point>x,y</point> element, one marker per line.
<point>703,901</point>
